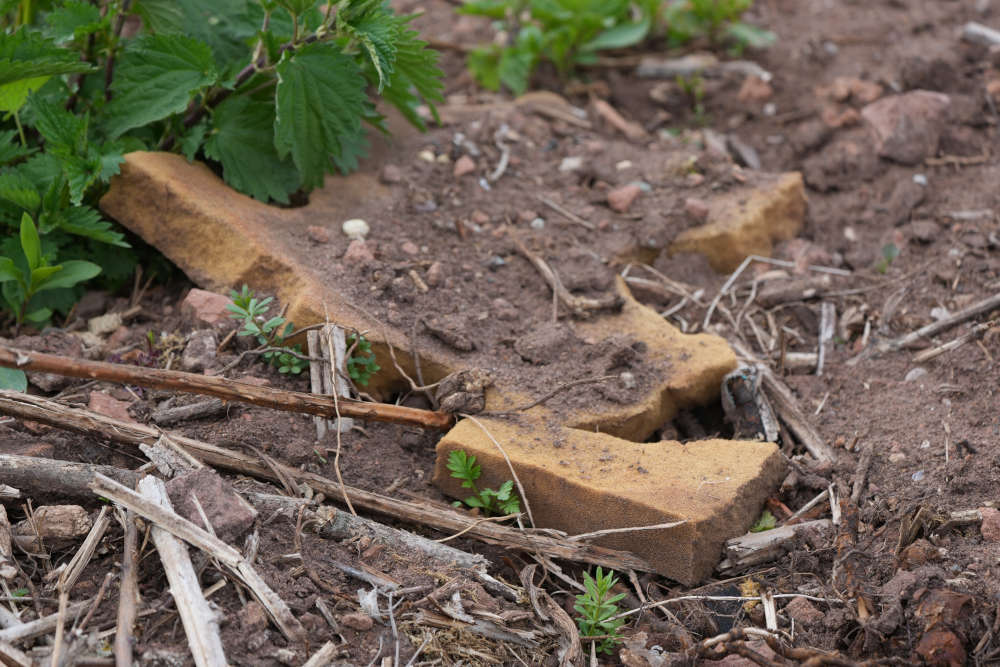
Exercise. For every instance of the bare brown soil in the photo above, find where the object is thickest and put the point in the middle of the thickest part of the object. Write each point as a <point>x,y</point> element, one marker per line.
<point>893,592</point>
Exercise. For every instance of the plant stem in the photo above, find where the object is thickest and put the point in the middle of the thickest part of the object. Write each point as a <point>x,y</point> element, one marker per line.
<point>109,66</point>
<point>20,130</point>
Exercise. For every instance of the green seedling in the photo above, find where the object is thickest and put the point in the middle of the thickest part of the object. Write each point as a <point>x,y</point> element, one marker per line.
<point>889,253</point>
<point>765,522</point>
<point>361,364</point>
<point>597,608</point>
<point>24,281</point>
<point>570,34</point>
<point>693,88</point>
<point>490,502</point>
<point>270,333</point>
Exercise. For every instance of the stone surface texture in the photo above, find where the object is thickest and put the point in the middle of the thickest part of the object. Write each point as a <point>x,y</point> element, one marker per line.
<point>579,481</point>
<point>741,223</point>
<point>231,516</point>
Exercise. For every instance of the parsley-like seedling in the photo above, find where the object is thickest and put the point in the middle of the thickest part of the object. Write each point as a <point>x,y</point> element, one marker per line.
<point>361,364</point>
<point>501,501</point>
<point>597,607</point>
<point>269,332</point>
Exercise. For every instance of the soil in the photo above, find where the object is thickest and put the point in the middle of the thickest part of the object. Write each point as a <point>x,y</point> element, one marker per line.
<point>896,581</point>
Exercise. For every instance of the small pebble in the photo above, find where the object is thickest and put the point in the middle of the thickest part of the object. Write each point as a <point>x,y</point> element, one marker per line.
<point>920,179</point>
<point>355,228</point>
<point>623,165</point>
<point>391,174</point>
<point>409,247</point>
<point>897,457</point>
<point>538,223</point>
<point>464,165</point>
<point>915,374</point>
<point>318,234</point>
<point>917,476</point>
<point>628,380</point>
<point>621,199</point>
<point>570,164</point>
<point>426,155</point>
<point>495,262</point>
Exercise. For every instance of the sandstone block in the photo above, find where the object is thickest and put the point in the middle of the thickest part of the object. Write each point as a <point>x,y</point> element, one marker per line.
<point>579,481</point>
<point>741,224</point>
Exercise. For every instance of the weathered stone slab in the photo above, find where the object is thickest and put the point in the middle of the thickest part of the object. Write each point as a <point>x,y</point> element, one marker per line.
<point>578,481</point>
<point>222,239</point>
<point>741,223</point>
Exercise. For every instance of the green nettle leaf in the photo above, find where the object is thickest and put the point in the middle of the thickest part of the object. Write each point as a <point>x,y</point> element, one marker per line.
<point>64,133</point>
<point>192,140</point>
<point>376,29</point>
<point>73,20</point>
<point>10,148</point>
<point>27,61</point>
<point>415,70</point>
<point>11,378</point>
<point>73,271</point>
<point>157,76</point>
<point>242,141</point>
<point>17,187</point>
<point>30,243</point>
<point>87,222</point>
<point>320,102</point>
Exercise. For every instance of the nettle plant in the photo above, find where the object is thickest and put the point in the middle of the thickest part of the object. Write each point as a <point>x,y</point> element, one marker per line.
<point>274,94</point>
<point>572,33</point>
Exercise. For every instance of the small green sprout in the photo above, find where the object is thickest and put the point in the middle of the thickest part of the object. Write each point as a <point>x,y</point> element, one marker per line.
<point>765,522</point>
<point>269,332</point>
<point>502,501</point>
<point>598,609</point>
<point>361,364</point>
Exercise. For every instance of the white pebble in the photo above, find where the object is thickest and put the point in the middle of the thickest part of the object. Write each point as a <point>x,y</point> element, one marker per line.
<point>915,374</point>
<point>570,164</point>
<point>538,223</point>
<point>356,228</point>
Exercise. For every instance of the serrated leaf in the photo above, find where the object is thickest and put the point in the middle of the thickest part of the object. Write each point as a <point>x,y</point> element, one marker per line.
<point>190,143</point>
<point>15,380</point>
<point>27,61</point>
<point>73,20</point>
<point>64,133</point>
<point>224,25</point>
<point>87,222</point>
<point>157,76</point>
<point>11,148</point>
<point>416,76</point>
<point>320,102</point>
<point>111,158</point>
<point>377,30</point>
<point>17,187</point>
<point>242,141</point>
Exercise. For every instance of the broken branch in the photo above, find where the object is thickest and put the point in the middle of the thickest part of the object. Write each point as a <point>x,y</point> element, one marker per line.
<point>230,390</point>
